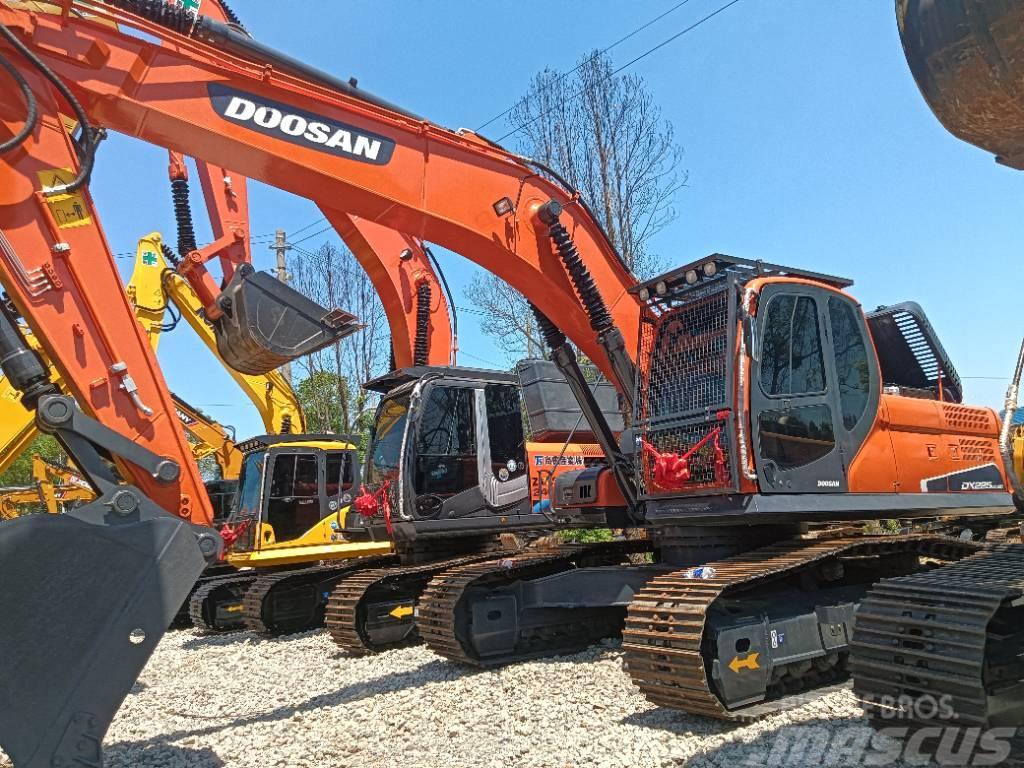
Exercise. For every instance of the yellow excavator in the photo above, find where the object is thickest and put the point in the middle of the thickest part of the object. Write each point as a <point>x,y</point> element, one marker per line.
<point>206,436</point>
<point>305,481</point>
<point>53,487</point>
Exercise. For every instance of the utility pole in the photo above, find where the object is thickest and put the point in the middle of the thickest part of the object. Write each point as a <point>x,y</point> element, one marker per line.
<point>281,247</point>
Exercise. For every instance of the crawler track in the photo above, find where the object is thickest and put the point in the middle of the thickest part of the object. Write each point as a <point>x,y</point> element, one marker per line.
<point>666,640</point>
<point>293,601</point>
<point>952,637</point>
<point>216,604</point>
<point>444,610</point>
<point>373,610</point>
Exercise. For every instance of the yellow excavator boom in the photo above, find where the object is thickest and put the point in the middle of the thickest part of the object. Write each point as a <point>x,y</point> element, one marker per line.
<point>53,486</point>
<point>153,282</point>
<point>17,425</point>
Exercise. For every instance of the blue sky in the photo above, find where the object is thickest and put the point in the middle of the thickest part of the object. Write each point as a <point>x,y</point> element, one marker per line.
<point>806,142</point>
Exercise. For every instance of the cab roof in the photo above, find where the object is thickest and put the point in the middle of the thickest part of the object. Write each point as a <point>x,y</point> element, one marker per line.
<point>320,440</point>
<point>402,376</point>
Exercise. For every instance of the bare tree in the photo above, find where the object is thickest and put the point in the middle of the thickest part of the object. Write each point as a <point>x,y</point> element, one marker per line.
<point>604,133</point>
<point>331,389</point>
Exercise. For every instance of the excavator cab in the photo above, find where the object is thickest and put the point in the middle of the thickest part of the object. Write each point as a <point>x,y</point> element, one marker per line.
<point>267,324</point>
<point>450,453</point>
<point>293,494</point>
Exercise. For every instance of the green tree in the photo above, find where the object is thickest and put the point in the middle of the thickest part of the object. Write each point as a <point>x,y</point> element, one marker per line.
<point>323,395</point>
<point>20,472</point>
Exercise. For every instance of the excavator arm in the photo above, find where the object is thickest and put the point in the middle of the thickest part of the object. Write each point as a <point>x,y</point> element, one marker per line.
<point>201,95</point>
<point>204,89</point>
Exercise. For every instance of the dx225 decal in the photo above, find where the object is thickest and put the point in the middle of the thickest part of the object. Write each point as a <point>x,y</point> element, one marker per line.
<point>983,478</point>
<point>299,127</point>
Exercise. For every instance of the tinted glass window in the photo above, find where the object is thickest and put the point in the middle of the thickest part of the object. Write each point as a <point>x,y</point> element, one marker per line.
<point>294,476</point>
<point>791,361</point>
<point>340,475</point>
<point>386,442</point>
<point>446,457</point>
<point>505,431</point>
<point>252,485</point>
<point>851,354</point>
<point>448,426</point>
<point>796,436</point>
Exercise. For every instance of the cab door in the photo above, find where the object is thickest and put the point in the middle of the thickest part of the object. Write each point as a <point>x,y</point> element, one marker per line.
<point>503,458</point>
<point>854,372</point>
<point>793,405</point>
<point>445,456</point>
<point>469,456</point>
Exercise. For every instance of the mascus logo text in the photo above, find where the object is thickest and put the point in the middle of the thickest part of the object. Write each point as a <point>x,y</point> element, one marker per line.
<point>299,127</point>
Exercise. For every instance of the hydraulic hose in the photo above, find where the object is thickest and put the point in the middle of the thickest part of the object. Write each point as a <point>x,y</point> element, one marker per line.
<point>183,217</point>
<point>230,38</point>
<point>170,256</point>
<point>451,301</point>
<point>552,334</point>
<point>286,424</point>
<point>31,108</point>
<point>608,334</point>
<point>87,148</point>
<point>421,350</point>
<point>582,280</point>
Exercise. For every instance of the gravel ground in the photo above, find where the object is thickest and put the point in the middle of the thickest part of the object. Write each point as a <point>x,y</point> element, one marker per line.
<point>241,701</point>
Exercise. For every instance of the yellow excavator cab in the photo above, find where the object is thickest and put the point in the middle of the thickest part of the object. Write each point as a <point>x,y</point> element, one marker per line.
<point>294,494</point>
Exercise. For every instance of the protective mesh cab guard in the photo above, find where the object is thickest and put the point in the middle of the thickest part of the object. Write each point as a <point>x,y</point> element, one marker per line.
<point>684,411</point>
<point>267,324</point>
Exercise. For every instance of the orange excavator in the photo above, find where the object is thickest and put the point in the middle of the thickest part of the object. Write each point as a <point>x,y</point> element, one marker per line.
<point>760,398</point>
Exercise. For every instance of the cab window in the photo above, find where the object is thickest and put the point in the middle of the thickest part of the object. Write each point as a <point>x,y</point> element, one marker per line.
<point>340,473</point>
<point>796,436</point>
<point>446,460</point>
<point>791,359</point>
<point>851,359</point>
<point>294,476</point>
<point>252,485</point>
<point>505,431</point>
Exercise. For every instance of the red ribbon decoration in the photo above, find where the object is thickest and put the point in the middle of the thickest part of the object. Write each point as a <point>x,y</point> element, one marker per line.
<point>672,470</point>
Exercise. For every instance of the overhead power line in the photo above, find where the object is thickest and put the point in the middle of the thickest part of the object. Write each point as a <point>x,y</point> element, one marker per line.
<point>604,50</point>
<point>629,63</point>
<point>313,224</point>
<point>307,237</point>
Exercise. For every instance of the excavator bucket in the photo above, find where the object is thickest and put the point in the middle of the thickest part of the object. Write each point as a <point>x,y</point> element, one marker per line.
<point>83,606</point>
<point>267,324</point>
<point>966,57</point>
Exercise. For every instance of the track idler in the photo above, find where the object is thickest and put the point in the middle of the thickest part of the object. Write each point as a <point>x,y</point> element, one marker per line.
<point>266,324</point>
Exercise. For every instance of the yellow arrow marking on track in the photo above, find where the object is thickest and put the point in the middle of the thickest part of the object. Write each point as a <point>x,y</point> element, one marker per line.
<point>401,611</point>
<point>749,662</point>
